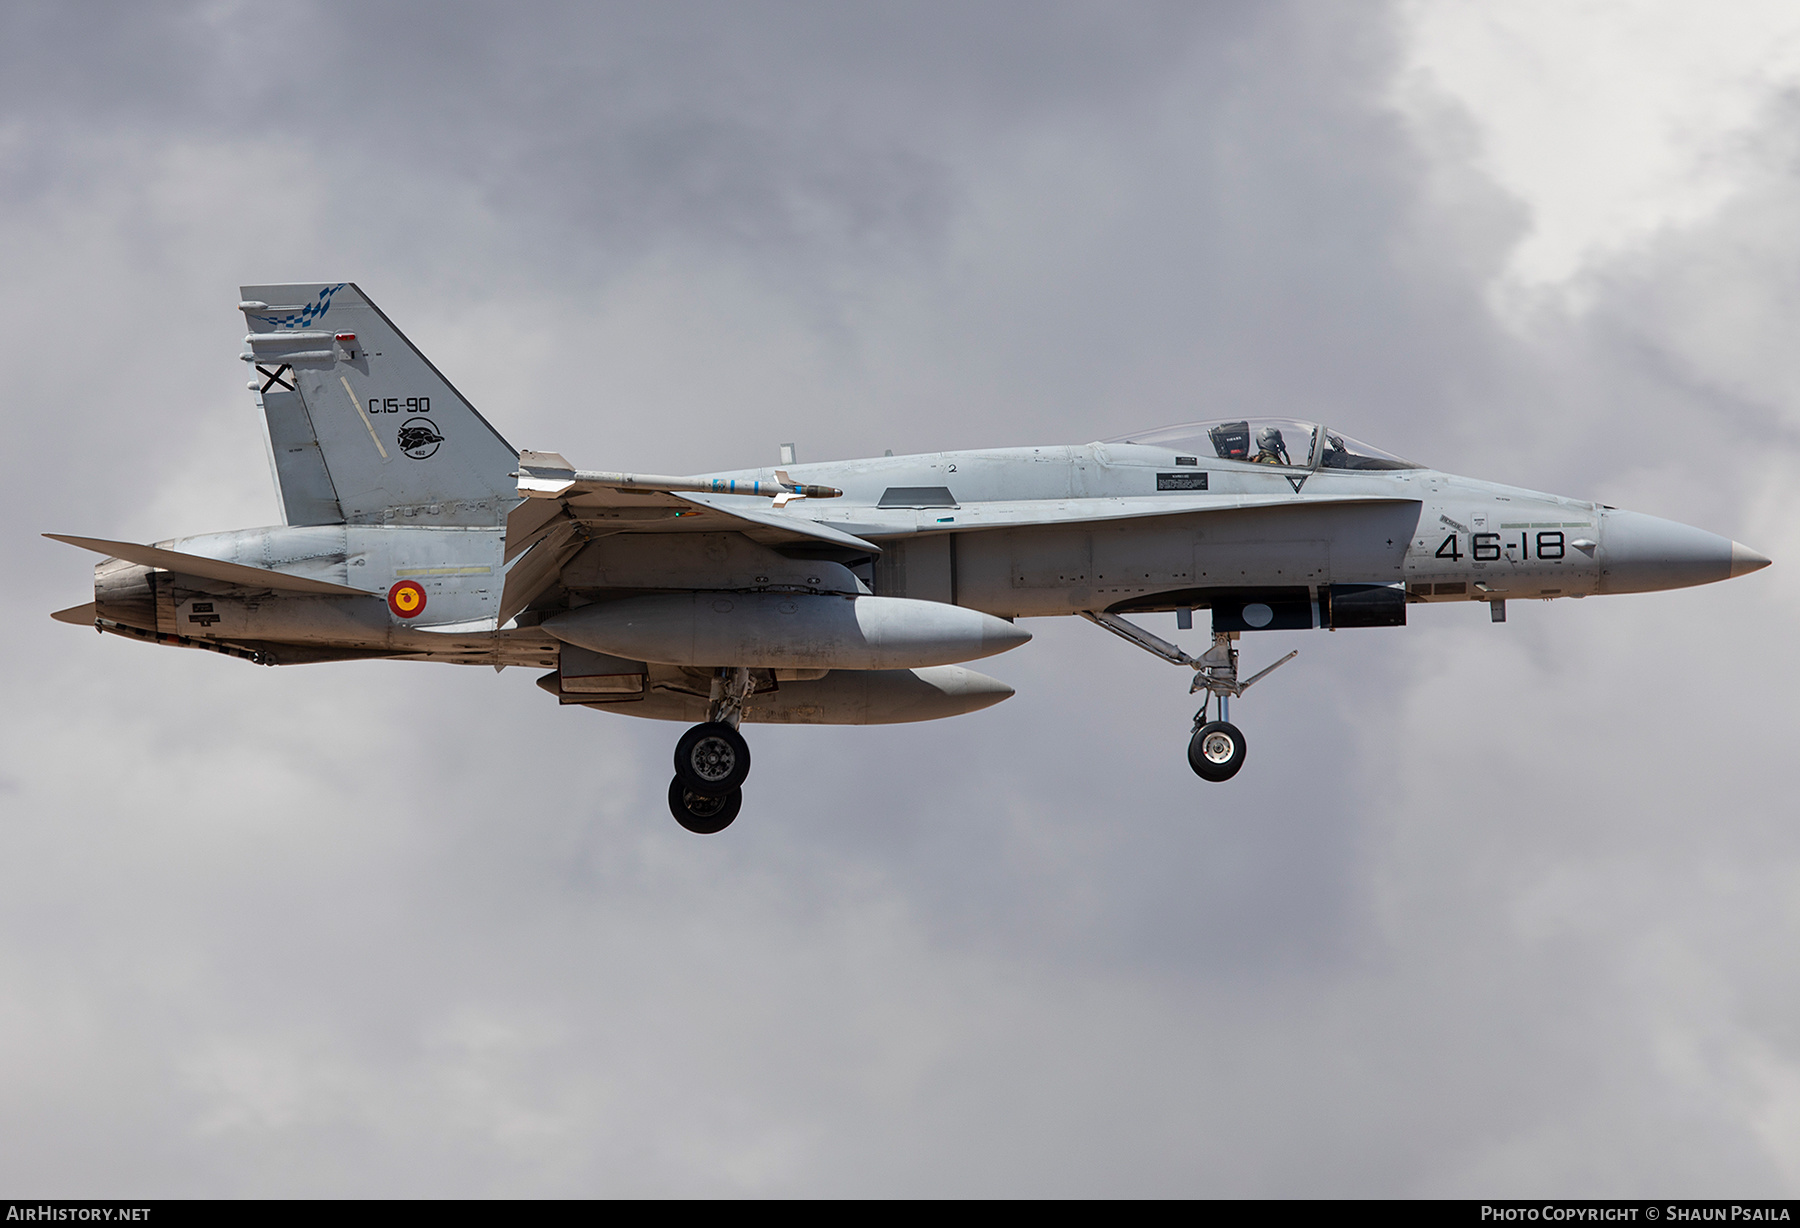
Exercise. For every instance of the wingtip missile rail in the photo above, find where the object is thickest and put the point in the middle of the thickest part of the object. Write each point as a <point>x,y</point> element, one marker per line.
<point>546,475</point>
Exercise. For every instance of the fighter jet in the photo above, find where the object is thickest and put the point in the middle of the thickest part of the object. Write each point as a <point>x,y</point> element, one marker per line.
<point>842,592</point>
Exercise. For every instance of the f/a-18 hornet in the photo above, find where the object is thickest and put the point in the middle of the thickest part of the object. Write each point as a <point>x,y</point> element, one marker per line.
<point>848,592</point>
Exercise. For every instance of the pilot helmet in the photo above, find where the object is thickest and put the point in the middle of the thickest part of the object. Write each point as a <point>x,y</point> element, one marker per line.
<point>1268,439</point>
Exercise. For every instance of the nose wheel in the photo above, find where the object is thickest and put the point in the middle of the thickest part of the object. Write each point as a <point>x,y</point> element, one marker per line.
<point>1216,751</point>
<point>1216,748</point>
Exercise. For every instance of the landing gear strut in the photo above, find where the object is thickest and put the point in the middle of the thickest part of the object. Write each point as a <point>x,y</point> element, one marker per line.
<point>1216,749</point>
<point>712,759</point>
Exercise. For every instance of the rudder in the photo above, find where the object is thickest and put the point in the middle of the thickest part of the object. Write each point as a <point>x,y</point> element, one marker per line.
<point>362,428</point>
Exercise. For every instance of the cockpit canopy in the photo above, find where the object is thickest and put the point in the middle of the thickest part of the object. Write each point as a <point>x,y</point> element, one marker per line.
<point>1286,442</point>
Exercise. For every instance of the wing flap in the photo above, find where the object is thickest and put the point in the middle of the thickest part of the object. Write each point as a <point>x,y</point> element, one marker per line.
<point>531,576</point>
<point>527,523</point>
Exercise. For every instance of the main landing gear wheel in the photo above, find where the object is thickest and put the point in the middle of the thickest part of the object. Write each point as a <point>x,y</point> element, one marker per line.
<point>712,759</point>
<point>1216,751</point>
<point>700,814</point>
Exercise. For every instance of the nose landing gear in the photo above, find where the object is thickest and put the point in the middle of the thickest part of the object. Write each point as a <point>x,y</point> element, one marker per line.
<point>1216,749</point>
<point>712,759</point>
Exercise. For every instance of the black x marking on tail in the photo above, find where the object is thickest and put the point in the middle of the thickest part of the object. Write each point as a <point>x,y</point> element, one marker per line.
<point>281,377</point>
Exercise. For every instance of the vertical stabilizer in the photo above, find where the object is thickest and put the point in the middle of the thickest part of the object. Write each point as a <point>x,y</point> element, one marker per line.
<point>361,427</point>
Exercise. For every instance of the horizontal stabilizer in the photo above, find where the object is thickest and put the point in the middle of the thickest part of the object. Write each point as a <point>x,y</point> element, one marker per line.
<point>209,569</point>
<point>78,615</point>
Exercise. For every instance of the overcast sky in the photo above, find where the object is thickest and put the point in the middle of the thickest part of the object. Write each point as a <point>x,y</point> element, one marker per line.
<point>1503,910</point>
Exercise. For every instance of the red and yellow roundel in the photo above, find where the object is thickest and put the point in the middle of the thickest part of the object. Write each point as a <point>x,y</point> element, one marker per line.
<point>406,599</point>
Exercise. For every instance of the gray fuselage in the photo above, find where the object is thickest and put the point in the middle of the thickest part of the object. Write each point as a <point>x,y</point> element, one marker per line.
<point>1014,533</point>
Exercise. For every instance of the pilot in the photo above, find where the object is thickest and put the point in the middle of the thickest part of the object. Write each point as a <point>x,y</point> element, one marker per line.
<point>1270,450</point>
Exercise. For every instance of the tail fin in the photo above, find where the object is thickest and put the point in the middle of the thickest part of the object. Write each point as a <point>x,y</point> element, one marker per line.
<point>361,427</point>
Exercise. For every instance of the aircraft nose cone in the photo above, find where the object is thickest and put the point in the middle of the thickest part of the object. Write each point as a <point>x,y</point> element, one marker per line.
<point>1643,554</point>
<point>1744,560</point>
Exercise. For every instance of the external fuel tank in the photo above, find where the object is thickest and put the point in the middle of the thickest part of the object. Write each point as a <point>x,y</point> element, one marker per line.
<point>786,631</point>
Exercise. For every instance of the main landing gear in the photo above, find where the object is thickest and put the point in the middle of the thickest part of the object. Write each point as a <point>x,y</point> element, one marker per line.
<point>712,760</point>
<point>1216,748</point>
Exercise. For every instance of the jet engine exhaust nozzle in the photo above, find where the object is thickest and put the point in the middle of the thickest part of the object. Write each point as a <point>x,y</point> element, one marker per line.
<point>124,593</point>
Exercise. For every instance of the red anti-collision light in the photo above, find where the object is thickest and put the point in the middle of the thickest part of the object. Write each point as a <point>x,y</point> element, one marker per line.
<point>346,336</point>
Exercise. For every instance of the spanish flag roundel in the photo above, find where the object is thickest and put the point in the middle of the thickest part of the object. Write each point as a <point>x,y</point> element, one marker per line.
<point>406,599</point>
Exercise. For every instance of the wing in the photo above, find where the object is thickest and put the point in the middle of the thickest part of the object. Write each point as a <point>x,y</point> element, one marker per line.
<point>542,536</point>
<point>624,502</point>
<point>564,508</point>
<point>755,519</point>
